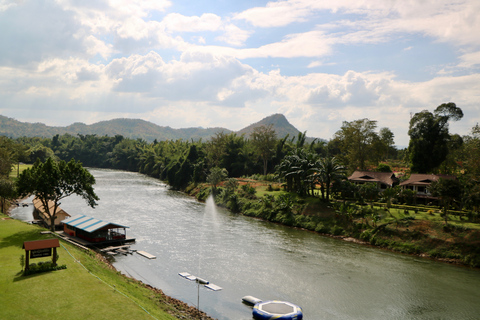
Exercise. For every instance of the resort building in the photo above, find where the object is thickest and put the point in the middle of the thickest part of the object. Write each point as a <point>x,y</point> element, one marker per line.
<point>40,213</point>
<point>382,180</point>
<point>420,183</point>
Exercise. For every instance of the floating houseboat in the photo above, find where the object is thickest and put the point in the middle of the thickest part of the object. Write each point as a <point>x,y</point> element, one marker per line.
<point>95,232</point>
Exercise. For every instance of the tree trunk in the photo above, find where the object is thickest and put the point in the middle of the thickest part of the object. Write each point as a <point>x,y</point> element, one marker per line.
<point>52,223</point>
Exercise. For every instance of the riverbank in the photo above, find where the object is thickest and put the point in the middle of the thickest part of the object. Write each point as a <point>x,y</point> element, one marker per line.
<point>425,236</point>
<point>89,288</point>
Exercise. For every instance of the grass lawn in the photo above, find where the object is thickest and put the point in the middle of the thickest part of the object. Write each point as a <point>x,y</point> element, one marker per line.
<point>72,293</point>
<point>431,215</point>
<point>16,169</point>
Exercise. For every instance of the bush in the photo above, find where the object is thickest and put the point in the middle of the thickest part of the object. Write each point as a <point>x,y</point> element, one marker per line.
<point>249,191</point>
<point>321,228</point>
<point>366,235</point>
<point>472,260</point>
<point>42,267</point>
<point>337,230</point>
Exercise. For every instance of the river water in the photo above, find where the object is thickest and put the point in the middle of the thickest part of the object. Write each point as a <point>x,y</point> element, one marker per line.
<point>328,278</point>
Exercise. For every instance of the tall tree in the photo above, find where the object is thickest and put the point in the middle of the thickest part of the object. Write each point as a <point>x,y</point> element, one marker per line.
<point>7,192</point>
<point>449,191</point>
<point>429,137</point>
<point>359,142</point>
<point>216,176</point>
<point>51,182</point>
<point>326,171</point>
<point>471,150</point>
<point>264,140</point>
<point>7,156</point>
<point>386,137</point>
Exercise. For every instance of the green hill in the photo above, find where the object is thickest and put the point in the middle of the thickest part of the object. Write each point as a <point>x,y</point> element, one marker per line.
<point>136,129</point>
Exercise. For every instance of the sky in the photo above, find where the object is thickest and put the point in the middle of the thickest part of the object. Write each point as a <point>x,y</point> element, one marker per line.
<point>224,63</point>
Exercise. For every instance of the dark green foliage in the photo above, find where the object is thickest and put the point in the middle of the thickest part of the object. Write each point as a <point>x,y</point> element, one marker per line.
<point>429,137</point>
<point>382,167</point>
<point>359,143</point>
<point>50,182</point>
<point>42,267</point>
<point>449,191</point>
<point>7,192</point>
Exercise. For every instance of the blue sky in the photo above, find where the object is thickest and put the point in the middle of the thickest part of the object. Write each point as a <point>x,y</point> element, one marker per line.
<point>231,63</point>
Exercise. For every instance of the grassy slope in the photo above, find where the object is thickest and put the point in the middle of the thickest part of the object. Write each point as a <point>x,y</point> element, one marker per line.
<point>72,293</point>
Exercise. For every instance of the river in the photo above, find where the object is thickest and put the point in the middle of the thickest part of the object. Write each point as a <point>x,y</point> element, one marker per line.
<point>328,278</point>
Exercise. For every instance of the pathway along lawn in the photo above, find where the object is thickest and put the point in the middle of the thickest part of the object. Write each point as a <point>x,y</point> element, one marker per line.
<point>73,293</point>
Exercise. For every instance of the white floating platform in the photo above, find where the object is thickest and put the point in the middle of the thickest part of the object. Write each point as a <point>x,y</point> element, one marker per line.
<point>146,255</point>
<point>207,284</point>
<point>188,276</point>
<point>213,287</point>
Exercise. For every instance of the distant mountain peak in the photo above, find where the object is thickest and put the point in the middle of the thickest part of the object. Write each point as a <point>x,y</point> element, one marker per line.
<point>279,123</point>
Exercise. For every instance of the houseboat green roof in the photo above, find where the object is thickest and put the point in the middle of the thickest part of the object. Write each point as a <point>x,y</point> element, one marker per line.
<point>89,224</point>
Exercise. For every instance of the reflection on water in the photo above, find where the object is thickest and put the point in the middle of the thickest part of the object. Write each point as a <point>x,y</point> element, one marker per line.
<point>328,278</point>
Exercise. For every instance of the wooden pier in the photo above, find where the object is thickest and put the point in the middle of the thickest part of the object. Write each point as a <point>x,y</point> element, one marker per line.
<point>146,255</point>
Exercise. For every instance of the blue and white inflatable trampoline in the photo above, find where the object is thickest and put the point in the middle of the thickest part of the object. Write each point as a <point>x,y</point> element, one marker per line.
<point>278,310</point>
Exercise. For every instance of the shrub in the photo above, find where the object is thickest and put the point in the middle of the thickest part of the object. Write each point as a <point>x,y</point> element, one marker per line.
<point>366,235</point>
<point>321,228</point>
<point>337,230</point>
<point>42,267</point>
<point>249,191</point>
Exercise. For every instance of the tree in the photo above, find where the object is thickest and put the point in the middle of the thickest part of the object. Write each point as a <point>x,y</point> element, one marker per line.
<point>389,194</point>
<point>215,149</point>
<point>448,190</point>
<point>326,171</point>
<point>51,182</point>
<point>386,137</point>
<point>296,168</point>
<point>216,176</point>
<point>7,192</point>
<point>359,142</point>
<point>7,156</point>
<point>471,150</point>
<point>264,140</point>
<point>429,136</point>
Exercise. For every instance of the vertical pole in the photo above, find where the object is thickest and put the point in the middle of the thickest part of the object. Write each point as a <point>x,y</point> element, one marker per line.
<point>27,261</point>
<point>54,258</point>
<point>198,296</point>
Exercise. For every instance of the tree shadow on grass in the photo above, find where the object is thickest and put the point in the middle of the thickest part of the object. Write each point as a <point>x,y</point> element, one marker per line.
<point>17,239</point>
<point>20,277</point>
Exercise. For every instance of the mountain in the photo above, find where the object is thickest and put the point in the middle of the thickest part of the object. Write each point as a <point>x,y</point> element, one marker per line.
<point>136,129</point>
<point>130,128</point>
<point>279,123</point>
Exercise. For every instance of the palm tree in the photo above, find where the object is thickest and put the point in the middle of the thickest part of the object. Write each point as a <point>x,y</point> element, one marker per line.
<point>296,169</point>
<point>326,171</point>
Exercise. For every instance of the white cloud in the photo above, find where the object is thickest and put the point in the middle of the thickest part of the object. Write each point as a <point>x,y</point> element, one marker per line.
<point>92,59</point>
<point>376,21</point>
<point>276,14</point>
<point>234,35</point>
<point>469,60</point>
<point>175,22</point>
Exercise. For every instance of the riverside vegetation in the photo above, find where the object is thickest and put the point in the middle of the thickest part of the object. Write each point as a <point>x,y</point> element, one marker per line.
<point>410,229</point>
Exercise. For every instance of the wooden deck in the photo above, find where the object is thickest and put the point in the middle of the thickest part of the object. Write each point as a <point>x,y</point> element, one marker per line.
<point>94,244</point>
<point>146,255</point>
